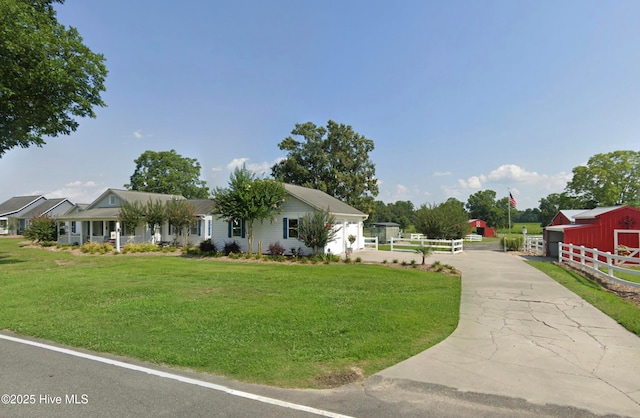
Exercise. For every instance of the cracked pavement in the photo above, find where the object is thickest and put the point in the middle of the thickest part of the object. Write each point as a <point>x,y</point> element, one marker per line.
<point>522,335</point>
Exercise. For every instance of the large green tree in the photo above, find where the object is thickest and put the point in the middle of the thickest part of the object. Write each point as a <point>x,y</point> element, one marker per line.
<point>401,212</point>
<point>170,173</point>
<point>447,220</point>
<point>48,77</point>
<point>334,159</point>
<point>607,180</point>
<point>249,199</point>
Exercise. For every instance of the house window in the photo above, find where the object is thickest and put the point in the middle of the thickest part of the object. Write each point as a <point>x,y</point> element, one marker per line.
<point>293,228</point>
<point>73,227</point>
<point>112,200</point>
<point>194,228</point>
<point>236,228</point>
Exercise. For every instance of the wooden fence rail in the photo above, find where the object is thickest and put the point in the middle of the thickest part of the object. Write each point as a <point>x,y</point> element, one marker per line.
<point>600,263</point>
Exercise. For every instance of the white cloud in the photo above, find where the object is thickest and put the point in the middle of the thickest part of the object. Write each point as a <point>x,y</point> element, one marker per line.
<point>236,162</point>
<point>138,134</point>
<point>473,182</point>
<point>442,173</point>
<point>77,191</point>
<point>260,169</point>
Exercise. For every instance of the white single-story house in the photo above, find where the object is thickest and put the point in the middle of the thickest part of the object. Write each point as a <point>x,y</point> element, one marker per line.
<point>98,222</point>
<point>283,228</point>
<point>23,208</point>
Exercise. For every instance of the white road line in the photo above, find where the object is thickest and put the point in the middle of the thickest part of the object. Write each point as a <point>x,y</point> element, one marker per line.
<point>179,378</point>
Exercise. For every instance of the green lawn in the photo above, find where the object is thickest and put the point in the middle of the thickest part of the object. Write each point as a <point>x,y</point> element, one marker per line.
<point>289,325</point>
<point>624,312</point>
<point>533,228</point>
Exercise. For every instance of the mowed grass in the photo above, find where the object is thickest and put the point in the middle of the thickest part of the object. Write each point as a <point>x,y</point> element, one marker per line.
<point>624,312</point>
<point>288,325</point>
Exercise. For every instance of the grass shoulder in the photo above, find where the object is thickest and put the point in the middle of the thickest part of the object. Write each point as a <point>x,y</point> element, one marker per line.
<point>623,310</point>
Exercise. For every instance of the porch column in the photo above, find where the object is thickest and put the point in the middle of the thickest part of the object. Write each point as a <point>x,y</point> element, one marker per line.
<point>117,236</point>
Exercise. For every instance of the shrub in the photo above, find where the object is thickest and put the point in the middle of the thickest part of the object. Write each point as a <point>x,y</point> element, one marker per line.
<point>231,248</point>
<point>41,228</point>
<point>297,252</point>
<point>208,247</point>
<point>95,247</point>
<point>347,259</point>
<point>49,243</point>
<point>276,249</point>
<point>512,243</point>
<point>358,259</point>
<point>140,248</point>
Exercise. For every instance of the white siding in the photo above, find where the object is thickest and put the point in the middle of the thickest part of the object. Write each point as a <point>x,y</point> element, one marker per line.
<point>271,231</point>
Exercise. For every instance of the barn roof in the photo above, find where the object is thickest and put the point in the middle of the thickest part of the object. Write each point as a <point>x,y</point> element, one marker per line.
<point>570,214</point>
<point>562,228</point>
<point>594,213</point>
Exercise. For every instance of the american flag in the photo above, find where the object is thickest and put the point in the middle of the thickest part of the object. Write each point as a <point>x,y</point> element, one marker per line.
<point>512,200</point>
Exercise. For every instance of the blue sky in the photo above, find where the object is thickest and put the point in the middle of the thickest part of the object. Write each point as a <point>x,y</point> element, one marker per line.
<point>458,96</point>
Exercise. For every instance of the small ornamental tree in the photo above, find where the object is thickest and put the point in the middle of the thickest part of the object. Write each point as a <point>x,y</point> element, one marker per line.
<point>180,215</point>
<point>316,230</point>
<point>154,216</point>
<point>424,251</point>
<point>41,228</point>
<point>249,199</point>
<point>131,215</point>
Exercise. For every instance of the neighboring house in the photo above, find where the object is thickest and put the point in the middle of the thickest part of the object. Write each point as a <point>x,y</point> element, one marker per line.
<point>283,228</point>
<point>15,208</point>
<point>604,228</point>
<point>50,207</point>
<point>98,222</point>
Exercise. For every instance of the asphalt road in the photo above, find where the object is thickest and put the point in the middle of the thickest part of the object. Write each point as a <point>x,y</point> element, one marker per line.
<point>45,383</point>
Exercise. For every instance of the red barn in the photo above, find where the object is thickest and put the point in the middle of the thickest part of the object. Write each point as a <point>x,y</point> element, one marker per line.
<point>481,228</point>
<point>602,228</point>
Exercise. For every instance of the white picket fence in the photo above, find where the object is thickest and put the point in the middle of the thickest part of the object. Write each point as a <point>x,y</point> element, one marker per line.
<point>438,245</point>
<point>534,243</point>
<point>590,259</point>
<point>473,237</point>
<point>371,243</point>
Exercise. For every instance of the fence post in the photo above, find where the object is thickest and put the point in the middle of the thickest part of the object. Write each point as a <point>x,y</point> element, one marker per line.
<point>392,244</point>
<point>609,264</point>
<point>560,249</point>
<point>595,259</point>
<point>582,256</point>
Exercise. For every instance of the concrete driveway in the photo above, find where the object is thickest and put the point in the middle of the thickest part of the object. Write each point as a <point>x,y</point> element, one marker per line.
<point>522,335</point>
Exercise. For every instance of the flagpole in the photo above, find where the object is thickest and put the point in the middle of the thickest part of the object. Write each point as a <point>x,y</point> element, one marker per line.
<point>509,210</point>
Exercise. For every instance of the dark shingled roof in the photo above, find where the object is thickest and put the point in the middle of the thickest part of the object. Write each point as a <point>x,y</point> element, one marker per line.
<point>15,204</point>
<point>42,208</point>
